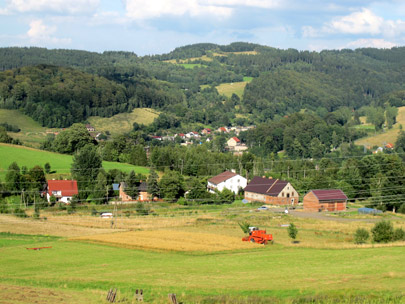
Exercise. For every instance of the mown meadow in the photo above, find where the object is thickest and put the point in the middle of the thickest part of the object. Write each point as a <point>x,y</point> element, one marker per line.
<point>88,257</point>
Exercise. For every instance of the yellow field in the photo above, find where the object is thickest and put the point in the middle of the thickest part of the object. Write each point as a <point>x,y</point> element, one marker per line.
<point>172,240</point>
<point>390,136</point>
<point>123,122</point>
<point>228,89</point>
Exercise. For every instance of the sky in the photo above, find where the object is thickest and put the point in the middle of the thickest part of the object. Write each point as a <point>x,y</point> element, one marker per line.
<point>148,27</point>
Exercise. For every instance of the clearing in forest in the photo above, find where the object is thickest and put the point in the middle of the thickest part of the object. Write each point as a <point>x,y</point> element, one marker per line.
<point>237,88</point>
<point>389,136</point>
<point>123,122</point>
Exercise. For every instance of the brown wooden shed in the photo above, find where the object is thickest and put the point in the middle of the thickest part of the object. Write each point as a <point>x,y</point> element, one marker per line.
<point>325,200</point>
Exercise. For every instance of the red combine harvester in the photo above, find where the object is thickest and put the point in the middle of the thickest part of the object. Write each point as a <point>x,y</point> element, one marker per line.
<point>258,236</point>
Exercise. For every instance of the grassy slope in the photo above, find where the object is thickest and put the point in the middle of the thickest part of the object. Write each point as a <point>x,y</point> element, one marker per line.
<point>123,122</point>
<point>60,163</point>
<point>272,271</point>
<point>228,89</point>
<point>31,132</point>
<point>390,136</point>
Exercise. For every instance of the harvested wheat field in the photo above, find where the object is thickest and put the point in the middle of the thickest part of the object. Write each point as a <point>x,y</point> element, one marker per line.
<point>12,224</point>
<point>169,240</point>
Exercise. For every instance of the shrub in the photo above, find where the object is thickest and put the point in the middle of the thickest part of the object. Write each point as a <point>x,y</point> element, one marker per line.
<point>292,231</point>
<point>19,212</point>
<point>3,206</point>
<point>399,235</point>
<point>401,209</point>
<point>383,232</point>
<point>361,236</point>
<point>141,209</point>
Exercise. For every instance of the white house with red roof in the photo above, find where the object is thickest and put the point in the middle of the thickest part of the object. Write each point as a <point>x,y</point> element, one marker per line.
<point>62,190</point>
<point>234,144</point>
<point>228,180</point>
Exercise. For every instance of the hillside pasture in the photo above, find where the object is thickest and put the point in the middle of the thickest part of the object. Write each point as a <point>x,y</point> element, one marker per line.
<point>388,136</point>
<point>228,89</point>
<point>123,122</point>
<point>32,133</point>
<point>60,163</point>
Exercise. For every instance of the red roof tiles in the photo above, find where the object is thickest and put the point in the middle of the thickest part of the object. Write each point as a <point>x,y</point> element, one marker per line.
<point>67,187</point>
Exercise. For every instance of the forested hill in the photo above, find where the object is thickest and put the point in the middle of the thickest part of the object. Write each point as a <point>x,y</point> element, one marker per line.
<point>183,82</point>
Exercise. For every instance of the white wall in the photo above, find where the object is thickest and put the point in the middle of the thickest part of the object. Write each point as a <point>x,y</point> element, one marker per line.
<point>233,184</point>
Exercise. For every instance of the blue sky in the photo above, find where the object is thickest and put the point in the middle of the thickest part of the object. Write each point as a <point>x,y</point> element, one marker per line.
<point>158,26</point>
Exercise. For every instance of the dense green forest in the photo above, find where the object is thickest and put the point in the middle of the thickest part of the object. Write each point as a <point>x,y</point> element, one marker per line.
<point>48,83</point>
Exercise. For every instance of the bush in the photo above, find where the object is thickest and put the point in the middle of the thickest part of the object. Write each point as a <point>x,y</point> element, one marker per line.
<point>19,212</point>
<point>361,236</point>
<point>141,209</point>
<point>3,206</point>
<point>401,209</point>
<point>383,232</point>
<point>292,231</point>
<point>399,235</point>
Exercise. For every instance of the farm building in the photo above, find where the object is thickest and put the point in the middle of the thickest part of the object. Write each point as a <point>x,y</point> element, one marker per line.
<point>228,180</point>
<point>325,200</point>
<point>271,191</point>
<point>62,190</point>
<point>143,194</point>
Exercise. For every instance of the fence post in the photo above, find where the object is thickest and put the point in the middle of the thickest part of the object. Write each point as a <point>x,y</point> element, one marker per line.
<point>172,298</point>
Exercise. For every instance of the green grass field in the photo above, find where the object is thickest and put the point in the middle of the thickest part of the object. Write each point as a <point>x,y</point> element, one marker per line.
<point>323,267</point>
<point>32,133</point>
<point>266,275</point>
<point>60,163</point>
<point>237,88</point>
<point>123,122</point>
<point>191,65</point>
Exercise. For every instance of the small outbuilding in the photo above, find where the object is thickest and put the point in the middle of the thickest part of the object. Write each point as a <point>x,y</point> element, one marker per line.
<point>325,200</point>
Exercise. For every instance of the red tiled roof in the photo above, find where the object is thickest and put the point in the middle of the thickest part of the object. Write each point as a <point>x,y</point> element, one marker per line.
<point>67,187</point>
<point>330,195</point>
<point>221,177</point>
<point>266,186</point>
<point>236,139</point>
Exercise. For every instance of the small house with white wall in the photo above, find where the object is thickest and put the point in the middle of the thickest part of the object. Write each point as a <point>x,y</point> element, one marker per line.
<point>62,190</point>
<point>228,180</point>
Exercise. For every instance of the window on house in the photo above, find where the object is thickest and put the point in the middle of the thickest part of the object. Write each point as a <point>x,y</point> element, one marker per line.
<point>282,194</point>
<point>288,194</point>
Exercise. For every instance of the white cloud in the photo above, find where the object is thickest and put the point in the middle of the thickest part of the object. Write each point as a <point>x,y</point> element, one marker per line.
<point>60,6</point>
<point>108,18</point>
<point>252,3</point>
<point>363,22</point>
<point>39,33</point>
<point>375,43</point>
<point>142,10</point>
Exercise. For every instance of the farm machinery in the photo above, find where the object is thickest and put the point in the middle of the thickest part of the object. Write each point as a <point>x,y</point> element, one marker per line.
<point>258,236</point>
